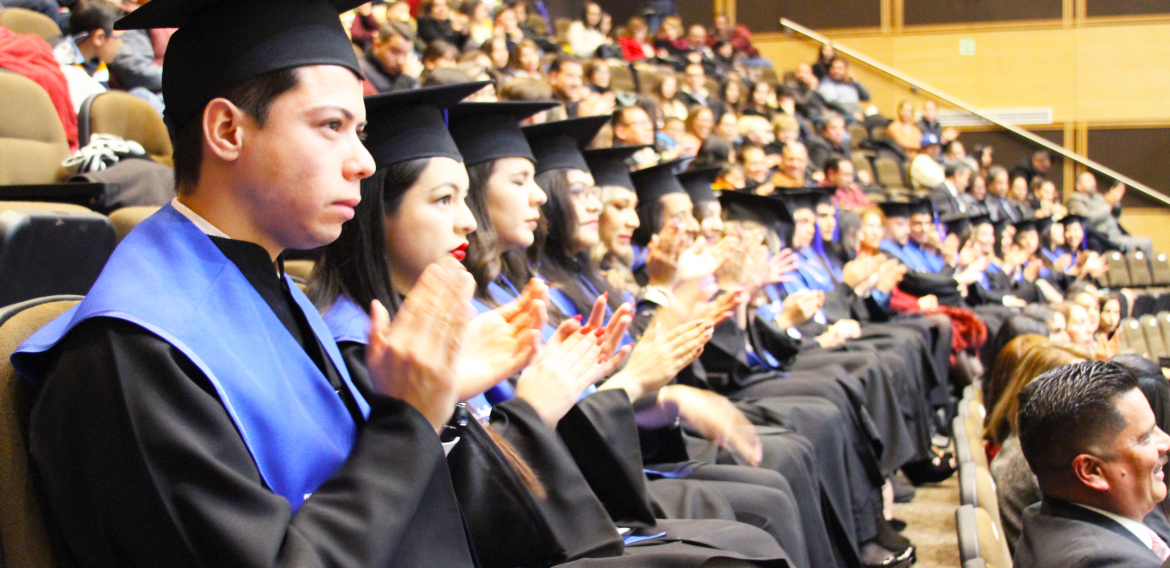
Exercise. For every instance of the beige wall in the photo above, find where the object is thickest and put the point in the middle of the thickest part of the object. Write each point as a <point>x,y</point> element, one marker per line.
<point>1100,74</point>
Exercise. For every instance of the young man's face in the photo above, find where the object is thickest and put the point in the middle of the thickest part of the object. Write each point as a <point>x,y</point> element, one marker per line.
<point>920,227</point>
<point>898,230</point>
<point>299,175</point>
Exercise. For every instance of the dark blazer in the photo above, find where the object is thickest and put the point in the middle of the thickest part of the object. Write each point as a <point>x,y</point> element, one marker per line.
<point>1059,534</point>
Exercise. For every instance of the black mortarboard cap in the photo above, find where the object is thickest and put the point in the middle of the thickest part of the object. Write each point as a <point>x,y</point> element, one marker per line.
<point>222,43</point>
<point>1043,224</point>
<point>409,125</point>
<point>656,181</point>
<point>558,145</point>
<point>956,222</point>
<point>806,197</point>
<point>1001,224</point>
<point>1071,218</point>
<point>746,206</point>
<point>895,208</point>
<point>922,207</point>
<point>490,131</point>
<point>698,183</point>
<point>609,168</point>
<point>1025,225</point>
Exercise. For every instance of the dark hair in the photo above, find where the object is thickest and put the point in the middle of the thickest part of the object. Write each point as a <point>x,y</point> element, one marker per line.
<point>1064,412</point>
<point>88,16</point>
<point>715,151</point>
<point>955,168</point>
<point>392,29</point>
<point>561,61</point>
<point>357,264</point>
<point>559,265</point>
<point>483,246</point>
<point>253,96</point>
<point>439,49</point>
<point>1015,326</point>
<point>649,222</point>
<point>833,164</point>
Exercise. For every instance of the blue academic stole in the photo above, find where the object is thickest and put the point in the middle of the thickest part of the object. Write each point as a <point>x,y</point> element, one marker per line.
<point>933,262</point>
<point>811,270</point>
<point>348,322</point>
<point>168,277</point>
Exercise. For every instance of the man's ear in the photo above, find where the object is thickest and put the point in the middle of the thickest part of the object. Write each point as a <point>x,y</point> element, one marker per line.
<point>1090,470</point>
<point>98,38</point>
<point>223,128</point>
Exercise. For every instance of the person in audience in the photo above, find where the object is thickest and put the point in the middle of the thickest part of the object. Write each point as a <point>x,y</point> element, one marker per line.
<point>700,124</point>
<point>1039,164</point>
<point>1045,200</point>
<point>597,76</point>
<point>794,170</point>
<point>849,195</point>
<point>591,37</point>
<point>700,51</point>
<point>1110,316</point>
<point>635,41</point>
<point>666,99</point>
<point>840,90</point>
<point>93,40</point>
<point>833,141</point>
<point>1098,212</point>
<point>1018,198</point>
<point>694,90</point>
<point>824,60</point>
<point>525,60</point>
<point>1024,359</point>
<point>760,100</point>
<point>566,76</point>
<point>509,26</point>
<point>439,55</point>
<point>731,92</point>
<point>998,206</point>
<point>480,25</point>
<point>391,64</point>
<point>436,23</point>
<point>950,197</point>
<point>904,131</point>
<point>1156,389</point>
<point>1091,439</point>
<point>926,172</point>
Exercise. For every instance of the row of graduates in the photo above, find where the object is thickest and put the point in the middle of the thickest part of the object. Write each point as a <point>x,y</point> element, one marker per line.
<point>197,408</point>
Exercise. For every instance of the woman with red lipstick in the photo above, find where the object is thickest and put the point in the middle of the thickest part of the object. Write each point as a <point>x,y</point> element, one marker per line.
<point>536,509</point>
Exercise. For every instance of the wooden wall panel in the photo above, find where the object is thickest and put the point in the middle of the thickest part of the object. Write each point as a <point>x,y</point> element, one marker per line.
<point>764,15</point>
<point>697,12</point>
<point>1123,73</point>
<point>1139,153</point>
<point>1011,149</point>
<point>933,12</point>
<point>1099,8</point>
<point>621,10</point>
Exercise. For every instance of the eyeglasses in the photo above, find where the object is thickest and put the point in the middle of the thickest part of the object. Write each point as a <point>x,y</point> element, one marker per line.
<point>581,190</point>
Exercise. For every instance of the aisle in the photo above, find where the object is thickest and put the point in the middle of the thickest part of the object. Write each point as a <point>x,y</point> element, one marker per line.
<point>931,524</point>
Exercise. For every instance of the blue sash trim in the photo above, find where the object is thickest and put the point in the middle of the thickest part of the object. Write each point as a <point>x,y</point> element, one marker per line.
<point>295,426</point>
<point>811,268</point>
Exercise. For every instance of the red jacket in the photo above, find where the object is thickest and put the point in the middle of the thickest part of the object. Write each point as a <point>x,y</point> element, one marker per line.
<point>31,56</point>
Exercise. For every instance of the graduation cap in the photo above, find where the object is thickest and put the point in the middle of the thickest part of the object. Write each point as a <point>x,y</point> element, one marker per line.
<point>893,209</point>
<point>1043,224</point>
<point>698,183</point>
<point>980,219</point>
<point>654,182</point>
<point>490,131</point>
<point>608,166</point>
<point>557,145</point>
<point>1025,225</point>
<point>806,198</point>
<point>1071,218</point>
<point>747,206</point>
<point>409,125</point>
<point>922,207</point>
<point>957,223</point>
<point>222,43</point>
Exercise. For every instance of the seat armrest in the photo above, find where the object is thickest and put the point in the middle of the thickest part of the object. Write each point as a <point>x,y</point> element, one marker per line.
<point>85,194</point>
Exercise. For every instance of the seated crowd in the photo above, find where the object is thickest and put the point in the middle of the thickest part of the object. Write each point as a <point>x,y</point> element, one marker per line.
<point>555,322</point>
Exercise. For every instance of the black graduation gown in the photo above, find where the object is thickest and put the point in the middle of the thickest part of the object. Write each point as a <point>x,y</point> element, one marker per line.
<point>572,511</point>
<point>140,465</point>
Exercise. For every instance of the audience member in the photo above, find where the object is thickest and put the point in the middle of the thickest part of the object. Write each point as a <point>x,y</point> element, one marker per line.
<point>950,197</point>
<point>1091,439</point>
<point>925,170</point>
<point>391,64</point>
<point>436,23</point>
<point>694,90</point>
<point>1039,165</point>
<point>840,90</point>
<point>1098,212</point>
<point>903,130</point>
<point>848,196</point>
<point>833,141</point>
<point>635,41</point>
<point>794,170</point>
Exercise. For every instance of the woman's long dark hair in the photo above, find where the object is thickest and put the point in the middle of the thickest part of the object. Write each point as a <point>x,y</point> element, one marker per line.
<point>559,266</point>
<point>357,264</point>
<point>483,248</point>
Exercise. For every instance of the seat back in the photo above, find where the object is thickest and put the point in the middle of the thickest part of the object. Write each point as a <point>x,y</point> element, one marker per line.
<point>24,21</point>
<point>861,164</point>
<point>1164,323</point>
<point>25,541</point>
<point>987,496</point>
<point>993,548</point>
<point>1118,275</point>
<point>50,248</point>
<point>959,435</point>
<point>968,490</point>
<point>1143,304</point>
<point>1133,336</point>
<point>857,135</point>
<point>128,117</point>
<point>621,77</point>
<point>1160,266</point>
<point>126,218</point>
<point>1139,268</point>
<point>32,140</point>
<point>889,173</point>
<point>1153,333</point>
<point>647,78</point>
<point>967,528</point>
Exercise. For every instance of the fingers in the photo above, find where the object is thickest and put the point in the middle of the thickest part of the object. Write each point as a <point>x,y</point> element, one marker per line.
<point>597,316</point>
<point>566,329</point>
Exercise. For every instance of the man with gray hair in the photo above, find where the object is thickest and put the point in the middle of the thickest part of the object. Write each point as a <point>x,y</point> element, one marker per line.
<point>1098,209</point>
<point>1090,438</point>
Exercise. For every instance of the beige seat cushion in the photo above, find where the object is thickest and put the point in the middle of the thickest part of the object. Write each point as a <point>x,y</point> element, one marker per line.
<point>993,548</point>
<point>299,268</point>
<point>24,21</point>
<point>131,118</point>
<point>32,140</point>
<point>25,540</point>
<point>126,218</point>
<point>42,206</point>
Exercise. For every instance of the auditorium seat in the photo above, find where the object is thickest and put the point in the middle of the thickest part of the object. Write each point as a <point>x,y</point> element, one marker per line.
<point>1160,266</point>
<point>647,78</point>
<point>958,435</point>
<point>980,537</point>
<point>126,218</point>
<point>889,173</point>
<point>857,135</point>
<point>1143,304</point>
<point>1118,275</point>
<point>1154,340</point>
<point>1139,269</point>
<point>1132,337</point>
<point>621,77</point>
<point>973,392</point>
<point>299,269</point>
<point>126,116</point>
<point>1162,303</point>
<point>25,540</point>
<point>973,428</point>
<point>24,21</point>
<point>1164,323</point>
<point>977,488</point>
<point>861,164</point>
<point>50,248</point>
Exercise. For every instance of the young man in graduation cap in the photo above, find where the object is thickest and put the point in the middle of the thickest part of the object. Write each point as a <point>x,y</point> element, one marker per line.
<point>193,409</point>
<point>920,280</point>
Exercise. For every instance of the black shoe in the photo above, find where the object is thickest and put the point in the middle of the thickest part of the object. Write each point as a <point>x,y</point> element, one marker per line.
<point>933,470</point>
<point>888,536</point>
<point>898,524</point>
<point>874,555</point>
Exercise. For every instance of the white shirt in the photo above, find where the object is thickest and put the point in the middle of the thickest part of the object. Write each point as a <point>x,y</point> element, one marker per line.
<point>1140,530</point>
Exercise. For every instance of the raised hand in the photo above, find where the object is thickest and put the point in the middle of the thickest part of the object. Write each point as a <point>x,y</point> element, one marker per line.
<point>659,356</point>
<point>700,261</point>
<point>798,308</point>
<point>413,358</point>
<point>772,270</point>
<point>662,255</point>
<point>499,343</point>
<point>715,418</point>
<point>572,361</point>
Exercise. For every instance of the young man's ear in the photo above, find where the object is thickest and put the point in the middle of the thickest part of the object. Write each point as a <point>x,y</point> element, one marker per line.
<point>223,129</point>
